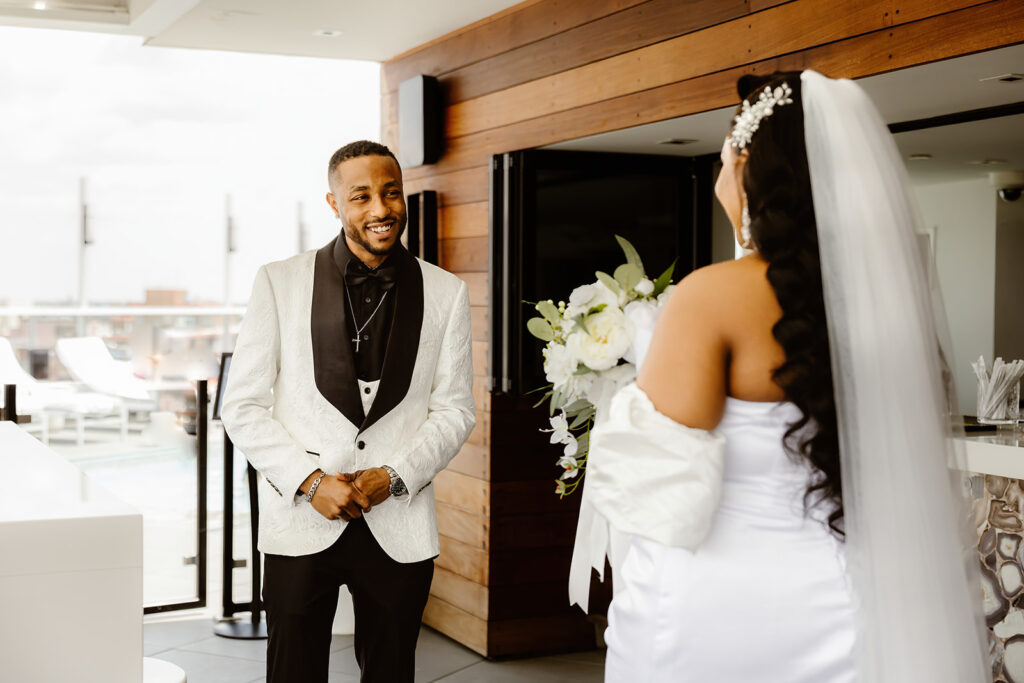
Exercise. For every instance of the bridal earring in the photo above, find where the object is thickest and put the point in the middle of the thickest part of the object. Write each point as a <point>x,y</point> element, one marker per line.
<point>745,228</point>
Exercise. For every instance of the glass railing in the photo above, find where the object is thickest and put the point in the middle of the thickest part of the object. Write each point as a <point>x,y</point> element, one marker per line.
<point>114,391</point>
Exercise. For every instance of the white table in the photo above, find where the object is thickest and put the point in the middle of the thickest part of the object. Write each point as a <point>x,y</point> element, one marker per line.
<point>1000,453</point>
<point>70,571</point>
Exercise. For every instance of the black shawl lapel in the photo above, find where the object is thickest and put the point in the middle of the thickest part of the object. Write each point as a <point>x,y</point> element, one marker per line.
<point>404,339</point>
<point>333,367</point>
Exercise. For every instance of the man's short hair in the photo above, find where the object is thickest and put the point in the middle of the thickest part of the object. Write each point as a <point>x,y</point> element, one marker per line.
<point>359,148</point>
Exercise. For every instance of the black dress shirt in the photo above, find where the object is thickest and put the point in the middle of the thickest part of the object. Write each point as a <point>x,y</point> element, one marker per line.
<point>361,301</point>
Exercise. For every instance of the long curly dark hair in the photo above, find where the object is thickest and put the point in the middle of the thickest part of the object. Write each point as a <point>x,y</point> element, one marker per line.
<point>783,228</point>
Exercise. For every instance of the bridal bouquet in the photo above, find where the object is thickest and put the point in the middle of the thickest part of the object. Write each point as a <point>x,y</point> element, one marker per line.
<point>594,344</point>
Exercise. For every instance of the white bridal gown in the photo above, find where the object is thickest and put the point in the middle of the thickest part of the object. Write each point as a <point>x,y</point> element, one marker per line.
<point>765,596</point>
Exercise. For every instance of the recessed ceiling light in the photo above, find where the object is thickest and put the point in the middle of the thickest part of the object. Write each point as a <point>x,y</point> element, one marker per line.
<point>676,141</point>
<point>39,5</point>
<point>919,157</point>
<point>326,33</point>
<point>1005,78</point>
<point>987,162</point>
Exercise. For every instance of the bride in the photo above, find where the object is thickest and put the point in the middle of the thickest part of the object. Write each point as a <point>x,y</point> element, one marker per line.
<point>774,492</point>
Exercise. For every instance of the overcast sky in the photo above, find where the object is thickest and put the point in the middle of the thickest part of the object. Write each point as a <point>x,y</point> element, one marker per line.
<point>161,136</point>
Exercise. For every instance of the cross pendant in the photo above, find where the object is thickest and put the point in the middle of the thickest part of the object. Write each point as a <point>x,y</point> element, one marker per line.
<point>356,340</point>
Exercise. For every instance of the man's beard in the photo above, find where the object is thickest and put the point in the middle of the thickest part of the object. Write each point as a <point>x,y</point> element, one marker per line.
<point>359,237</point>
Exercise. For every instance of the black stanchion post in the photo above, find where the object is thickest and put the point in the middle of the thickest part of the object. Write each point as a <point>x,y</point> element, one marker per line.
<point>229,626</point>
<point>257,579</point>
<point>11,403</point>
<point>202,424</point>
<point>229,528</point>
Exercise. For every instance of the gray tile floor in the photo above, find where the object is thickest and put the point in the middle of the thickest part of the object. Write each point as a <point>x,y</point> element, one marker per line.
<point>207,658</point>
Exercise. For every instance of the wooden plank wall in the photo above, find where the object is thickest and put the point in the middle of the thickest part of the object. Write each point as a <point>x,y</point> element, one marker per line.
<point>545,71</point>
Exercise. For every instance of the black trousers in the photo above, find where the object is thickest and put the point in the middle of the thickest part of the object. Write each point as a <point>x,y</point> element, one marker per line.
<point>301,597</point>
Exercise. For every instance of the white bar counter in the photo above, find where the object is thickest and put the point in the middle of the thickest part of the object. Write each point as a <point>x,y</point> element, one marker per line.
<point>1000,453</point>
<point>70,571</point>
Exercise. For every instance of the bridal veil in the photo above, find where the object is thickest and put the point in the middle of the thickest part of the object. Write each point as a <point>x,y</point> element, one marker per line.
<point>911,562</point>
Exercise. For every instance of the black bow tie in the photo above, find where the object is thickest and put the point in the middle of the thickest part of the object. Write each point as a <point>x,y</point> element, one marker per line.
<point>383,276</point>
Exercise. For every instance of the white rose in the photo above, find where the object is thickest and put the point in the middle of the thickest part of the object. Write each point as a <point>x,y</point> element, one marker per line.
<point>663,297</point>
<point>583,294</point>
<point>644,287</point>
<point>641,317</point>
<point>585,297</point>
<point>560,366</point>
<point>605,340</point>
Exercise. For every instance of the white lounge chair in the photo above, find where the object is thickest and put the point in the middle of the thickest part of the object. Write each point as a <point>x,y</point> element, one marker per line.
<point>43,401</point>
<point>88,361</point>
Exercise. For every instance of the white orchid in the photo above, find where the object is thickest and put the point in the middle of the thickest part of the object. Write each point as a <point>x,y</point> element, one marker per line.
<point>570,465</point>
<point>560,434</point>
<point>559,428</point>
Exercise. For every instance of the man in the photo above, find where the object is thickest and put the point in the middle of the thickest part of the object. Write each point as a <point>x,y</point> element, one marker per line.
<point>351,388</point>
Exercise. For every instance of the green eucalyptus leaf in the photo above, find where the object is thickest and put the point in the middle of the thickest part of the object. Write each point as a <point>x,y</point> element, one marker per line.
<point>576,406</point>
<point>549,311</point>
<point>583,445</point>
<point>582,418</point>
<point>632,257</point>
<point>543,388</point>
<point>664,280</point>
<point>543,398</point>
<point>608,281</point>
<point>540,328</point>
<point>628,275</point>
<point>557,401</point>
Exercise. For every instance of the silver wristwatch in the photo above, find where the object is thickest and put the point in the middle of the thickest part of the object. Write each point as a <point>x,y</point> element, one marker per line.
<point>397,487</point>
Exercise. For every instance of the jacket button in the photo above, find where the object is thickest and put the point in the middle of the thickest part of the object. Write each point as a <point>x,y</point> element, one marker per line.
<point>366,390</point>
<point>361,445</point>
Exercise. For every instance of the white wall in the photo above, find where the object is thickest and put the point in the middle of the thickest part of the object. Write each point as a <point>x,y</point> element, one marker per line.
<point>1009,329</point>
<point>963,214</point>
<point>723,239</point>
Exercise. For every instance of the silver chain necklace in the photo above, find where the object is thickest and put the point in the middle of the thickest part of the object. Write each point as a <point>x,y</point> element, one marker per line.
<point>355,323</point>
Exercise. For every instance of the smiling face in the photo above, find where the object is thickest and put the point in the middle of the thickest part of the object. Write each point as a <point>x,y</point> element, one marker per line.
<point>366,193</point>
<point>729,186</point>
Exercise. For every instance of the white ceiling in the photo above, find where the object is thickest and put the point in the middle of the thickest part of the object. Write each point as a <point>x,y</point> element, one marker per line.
<point>957,149</point>
<point>920,92</point>
<point>369,30</point>
<point>373,30</point>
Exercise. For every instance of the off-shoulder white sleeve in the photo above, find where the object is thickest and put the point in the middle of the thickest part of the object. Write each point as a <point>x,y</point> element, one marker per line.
<point>647,476</point>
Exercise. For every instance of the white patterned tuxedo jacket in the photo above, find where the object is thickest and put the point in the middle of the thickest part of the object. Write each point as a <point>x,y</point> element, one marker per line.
<point>292,403</point>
